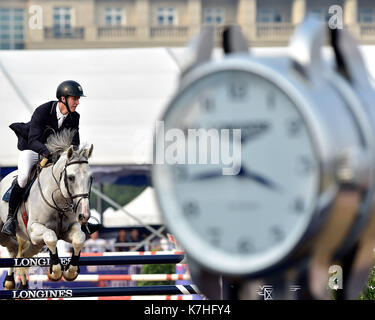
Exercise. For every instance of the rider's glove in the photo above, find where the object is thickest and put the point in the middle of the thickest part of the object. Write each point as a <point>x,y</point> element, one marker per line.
<point>46,158</point>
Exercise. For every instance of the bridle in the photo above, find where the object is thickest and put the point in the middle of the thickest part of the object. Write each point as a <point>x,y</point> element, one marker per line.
<point>69,203</point>
<point>79,195</point>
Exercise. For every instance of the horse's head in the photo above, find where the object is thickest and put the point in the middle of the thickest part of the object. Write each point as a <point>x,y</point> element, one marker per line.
<point>75,174</point>
<point>76,179</point>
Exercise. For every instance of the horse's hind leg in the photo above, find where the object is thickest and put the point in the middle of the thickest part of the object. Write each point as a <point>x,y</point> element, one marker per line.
<point>12,246</point>
<point>41,234</point>
<point>22,272</point>
<point>31,250</point>
<point>28,250</point>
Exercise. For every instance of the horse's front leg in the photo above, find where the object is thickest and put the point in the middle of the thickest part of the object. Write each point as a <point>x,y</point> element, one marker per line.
<point>39,234</point>
<point>77,238</point>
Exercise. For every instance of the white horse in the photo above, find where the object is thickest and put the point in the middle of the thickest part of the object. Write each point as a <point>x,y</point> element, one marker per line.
<point>57,206</point>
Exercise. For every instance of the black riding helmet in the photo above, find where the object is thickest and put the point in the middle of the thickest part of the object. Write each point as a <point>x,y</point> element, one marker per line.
<point>69,88</point>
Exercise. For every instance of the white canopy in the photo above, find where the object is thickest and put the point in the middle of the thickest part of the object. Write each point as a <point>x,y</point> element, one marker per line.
<point>126,89</point>
<point>143,207</point>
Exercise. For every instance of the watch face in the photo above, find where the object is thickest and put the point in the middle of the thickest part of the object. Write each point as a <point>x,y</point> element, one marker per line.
<point>240,176</point>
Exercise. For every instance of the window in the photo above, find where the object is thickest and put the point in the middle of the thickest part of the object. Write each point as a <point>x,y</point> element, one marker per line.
<point>5,45</point>
<point>321,13</point>
<point>12,28</point>
<point>269,16</point>
<point>166,16</point>
<point>213,16</point>
<point>366,15</point>
<point>114,16</point>
<point>62,21</point>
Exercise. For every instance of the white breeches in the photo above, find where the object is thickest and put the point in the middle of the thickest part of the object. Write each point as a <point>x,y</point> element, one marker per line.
<point>26,161</point>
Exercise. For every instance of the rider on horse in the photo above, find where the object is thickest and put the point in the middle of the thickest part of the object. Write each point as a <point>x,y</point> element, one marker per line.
<point>48,118</point>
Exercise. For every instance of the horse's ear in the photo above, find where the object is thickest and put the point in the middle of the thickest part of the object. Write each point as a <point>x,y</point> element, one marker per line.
<point>89,151</point>
<point>70,152</point>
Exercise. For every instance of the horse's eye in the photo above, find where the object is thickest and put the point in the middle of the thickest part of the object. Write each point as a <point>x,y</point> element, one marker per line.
<point>71,178</point>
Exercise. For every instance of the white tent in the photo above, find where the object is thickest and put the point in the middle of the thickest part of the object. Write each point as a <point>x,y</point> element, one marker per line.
<point>126,91</point>
<point>96,215</point>
<point>143,207</point>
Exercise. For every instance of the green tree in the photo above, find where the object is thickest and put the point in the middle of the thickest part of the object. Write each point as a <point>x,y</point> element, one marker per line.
<point>121,194</point>
<point>369,292</point>
<point>158,269</point>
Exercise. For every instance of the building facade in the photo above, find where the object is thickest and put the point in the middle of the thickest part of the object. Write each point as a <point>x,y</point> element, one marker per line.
<point>56,24</point>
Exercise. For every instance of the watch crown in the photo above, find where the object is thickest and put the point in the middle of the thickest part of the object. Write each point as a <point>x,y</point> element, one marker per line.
<point>352,168</point>
<point>344,171</point>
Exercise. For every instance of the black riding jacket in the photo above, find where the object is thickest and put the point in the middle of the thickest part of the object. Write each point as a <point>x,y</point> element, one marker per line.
<point>33,135</point>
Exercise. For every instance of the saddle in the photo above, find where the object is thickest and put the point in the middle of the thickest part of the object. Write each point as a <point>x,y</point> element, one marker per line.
<point>6,196</point>
<point>30,183</point>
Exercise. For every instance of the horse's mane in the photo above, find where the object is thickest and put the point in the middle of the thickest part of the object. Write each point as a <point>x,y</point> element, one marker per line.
<point>59,142</point>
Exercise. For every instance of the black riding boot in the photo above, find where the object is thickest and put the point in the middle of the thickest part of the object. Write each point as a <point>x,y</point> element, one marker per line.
<point>9,227</point>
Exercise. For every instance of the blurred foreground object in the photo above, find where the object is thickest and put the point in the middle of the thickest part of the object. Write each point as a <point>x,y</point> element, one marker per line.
<point>264,167</point>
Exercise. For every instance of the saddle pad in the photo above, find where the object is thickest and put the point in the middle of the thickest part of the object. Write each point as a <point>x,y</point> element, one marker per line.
<point>6,195</point>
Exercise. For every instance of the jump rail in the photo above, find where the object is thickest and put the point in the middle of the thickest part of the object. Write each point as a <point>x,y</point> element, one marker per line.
<point>98,292</point>
<point>94,260</point>
<point>120,253</point>
<point>176,297</point>
<point>117,277</point>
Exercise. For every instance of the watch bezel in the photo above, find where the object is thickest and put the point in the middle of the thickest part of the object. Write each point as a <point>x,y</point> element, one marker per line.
<point>188,241</point>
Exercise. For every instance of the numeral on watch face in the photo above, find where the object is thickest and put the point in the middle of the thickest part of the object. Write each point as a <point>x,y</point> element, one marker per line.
<point>294,127</point>
<point>304,166</point>
<point>245,246</point>
<point>214,236</point>
<point>190,209</point>
<point>277,233</point>
<point>298,205</point>
<point>207,104</point>
<point>238,90</point>
<point>271,100</point>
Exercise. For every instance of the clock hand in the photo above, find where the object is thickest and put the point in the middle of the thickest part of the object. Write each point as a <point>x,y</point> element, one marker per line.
<point>244,173</point>
<point>208,175</point>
